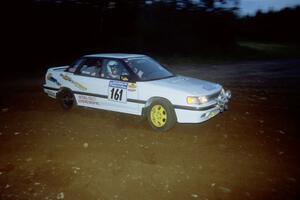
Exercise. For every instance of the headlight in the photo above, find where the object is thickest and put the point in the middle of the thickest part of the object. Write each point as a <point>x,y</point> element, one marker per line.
<point>192,100</point>
<point>196,100</point>
<point>203,99</point>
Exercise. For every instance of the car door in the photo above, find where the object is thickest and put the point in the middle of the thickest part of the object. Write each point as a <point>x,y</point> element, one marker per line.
<point>88,88</point>
<point>97,88</point>
<point>122,95</point>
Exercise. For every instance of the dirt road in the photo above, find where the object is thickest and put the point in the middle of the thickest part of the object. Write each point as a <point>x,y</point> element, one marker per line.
<point>249,152</point>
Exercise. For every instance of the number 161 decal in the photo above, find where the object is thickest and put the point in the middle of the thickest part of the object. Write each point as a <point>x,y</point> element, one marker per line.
<point>117,91</point>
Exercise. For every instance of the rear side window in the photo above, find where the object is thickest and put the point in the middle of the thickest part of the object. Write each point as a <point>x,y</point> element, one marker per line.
<point>91,67</point>
<point>73,67</point>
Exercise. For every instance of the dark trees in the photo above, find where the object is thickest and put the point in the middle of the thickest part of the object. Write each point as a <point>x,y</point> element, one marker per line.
<point>280,26</point>
<point>137,25</point>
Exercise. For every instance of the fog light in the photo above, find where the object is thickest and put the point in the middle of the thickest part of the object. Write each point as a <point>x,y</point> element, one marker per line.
<point>228,94</point>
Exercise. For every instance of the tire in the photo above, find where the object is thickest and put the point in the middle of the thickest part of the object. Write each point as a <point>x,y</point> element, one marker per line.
<point>161,115</point>
<point>66,99</point>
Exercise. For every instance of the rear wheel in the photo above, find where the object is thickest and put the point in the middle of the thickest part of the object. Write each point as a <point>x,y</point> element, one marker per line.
<point>161,115</point>
<point>66,99</point>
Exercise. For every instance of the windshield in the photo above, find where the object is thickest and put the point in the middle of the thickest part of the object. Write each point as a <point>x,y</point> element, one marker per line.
<point>147,69</point>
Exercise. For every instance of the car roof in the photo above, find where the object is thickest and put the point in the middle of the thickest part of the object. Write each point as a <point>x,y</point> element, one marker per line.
<point>115,55</point>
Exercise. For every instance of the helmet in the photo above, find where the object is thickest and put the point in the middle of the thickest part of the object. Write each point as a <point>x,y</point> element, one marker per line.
<point>112,67</point>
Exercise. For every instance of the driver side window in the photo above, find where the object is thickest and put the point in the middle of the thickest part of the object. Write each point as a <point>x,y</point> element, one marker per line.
<point>113,69</point>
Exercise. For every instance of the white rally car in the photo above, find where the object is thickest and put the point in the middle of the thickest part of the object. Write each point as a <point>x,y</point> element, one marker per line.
<point>135,84</point>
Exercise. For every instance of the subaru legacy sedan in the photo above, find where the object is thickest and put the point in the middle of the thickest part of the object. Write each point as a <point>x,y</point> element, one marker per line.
<point>138,85</point>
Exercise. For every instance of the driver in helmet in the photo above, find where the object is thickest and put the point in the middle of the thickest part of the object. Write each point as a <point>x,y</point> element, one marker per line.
<point>113,70</point>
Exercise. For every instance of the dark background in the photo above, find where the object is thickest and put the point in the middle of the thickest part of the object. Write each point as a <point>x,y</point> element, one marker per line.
<point>249,152</point>
<point>42,33</point>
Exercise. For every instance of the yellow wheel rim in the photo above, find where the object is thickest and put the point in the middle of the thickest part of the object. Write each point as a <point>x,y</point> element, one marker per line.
<point>158,116</point>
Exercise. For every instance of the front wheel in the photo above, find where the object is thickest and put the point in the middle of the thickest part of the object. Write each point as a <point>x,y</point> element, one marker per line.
<point>161,115</point>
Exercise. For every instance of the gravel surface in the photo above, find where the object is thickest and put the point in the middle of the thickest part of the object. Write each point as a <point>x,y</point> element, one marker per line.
<point>249,152</point>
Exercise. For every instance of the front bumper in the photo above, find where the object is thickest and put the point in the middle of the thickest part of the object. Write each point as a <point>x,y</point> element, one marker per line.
<point>198,115</point>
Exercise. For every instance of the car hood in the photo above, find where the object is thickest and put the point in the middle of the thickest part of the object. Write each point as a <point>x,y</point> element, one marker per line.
<point>189,85</point>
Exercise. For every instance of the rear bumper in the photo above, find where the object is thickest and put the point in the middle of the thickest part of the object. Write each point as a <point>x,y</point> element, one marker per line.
<point>51,92</point>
